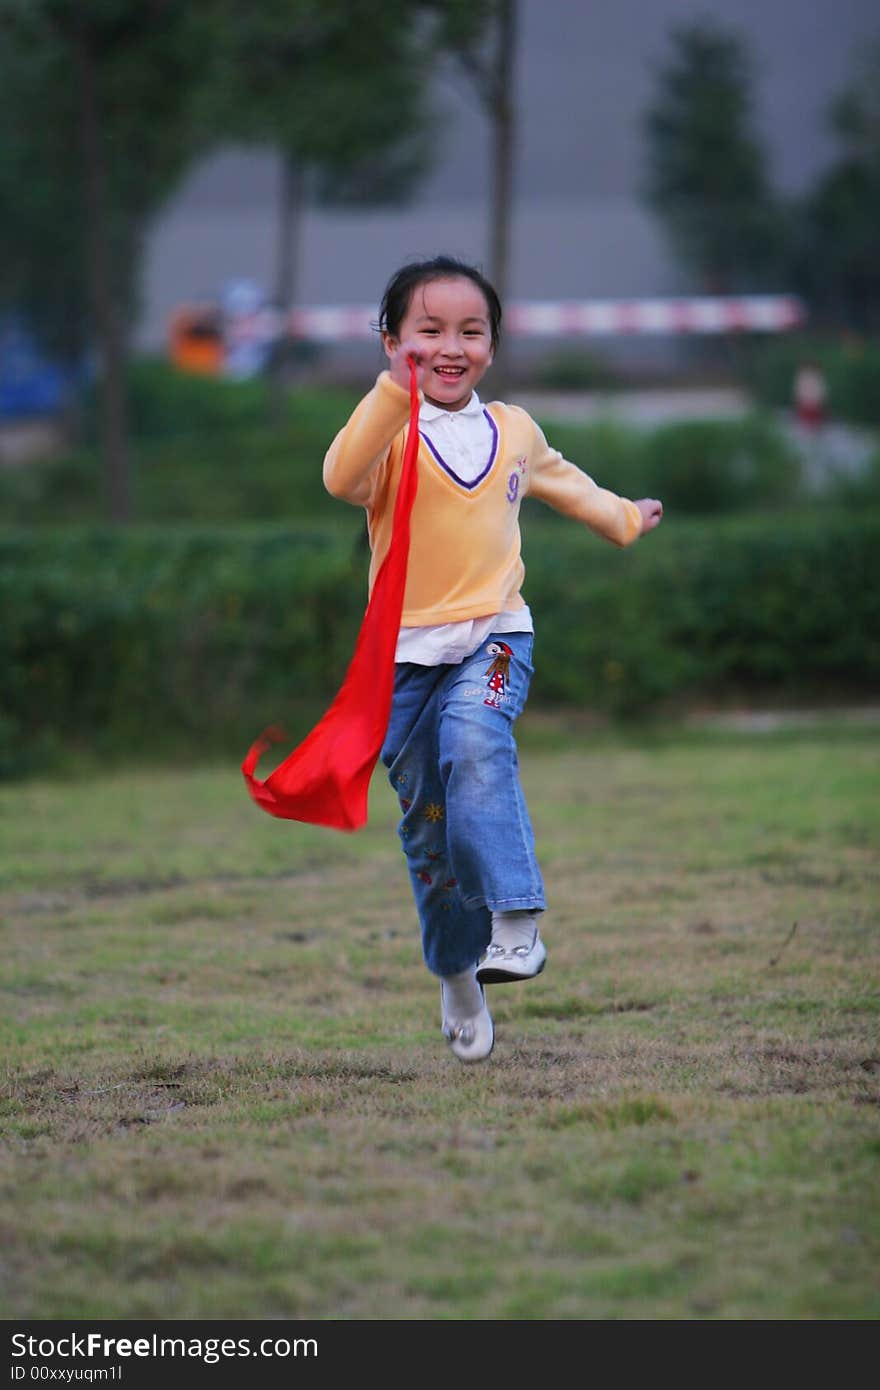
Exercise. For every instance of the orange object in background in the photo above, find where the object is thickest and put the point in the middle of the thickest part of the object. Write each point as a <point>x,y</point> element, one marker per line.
<point>196,340</point>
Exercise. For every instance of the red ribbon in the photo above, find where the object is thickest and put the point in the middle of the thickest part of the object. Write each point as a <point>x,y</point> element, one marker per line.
<point>326,779</point>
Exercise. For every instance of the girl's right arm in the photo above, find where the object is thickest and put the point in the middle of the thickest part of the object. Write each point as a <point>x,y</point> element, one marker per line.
<point>362,445</point>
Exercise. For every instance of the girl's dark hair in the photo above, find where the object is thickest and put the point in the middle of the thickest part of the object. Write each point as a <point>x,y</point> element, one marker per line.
<point>399,292</point>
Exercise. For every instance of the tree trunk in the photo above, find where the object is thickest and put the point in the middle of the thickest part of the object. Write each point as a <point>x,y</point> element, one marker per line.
<point>290,212</point>
<point>106,322</point>
<point>289,228</point>
<point>502,115</point>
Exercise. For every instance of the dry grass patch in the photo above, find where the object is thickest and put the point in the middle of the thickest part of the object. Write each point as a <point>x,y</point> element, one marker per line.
<point>226,1096</point>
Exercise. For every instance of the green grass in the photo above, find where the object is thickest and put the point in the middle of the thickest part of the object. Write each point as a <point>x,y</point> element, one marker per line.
<point>226,1094</point>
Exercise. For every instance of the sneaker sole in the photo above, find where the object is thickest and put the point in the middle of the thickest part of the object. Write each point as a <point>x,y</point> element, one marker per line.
<point>492,975</point>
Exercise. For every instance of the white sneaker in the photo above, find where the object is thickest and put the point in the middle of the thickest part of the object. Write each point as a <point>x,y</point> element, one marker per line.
<point>503,964</point>
<point>471,1039</point>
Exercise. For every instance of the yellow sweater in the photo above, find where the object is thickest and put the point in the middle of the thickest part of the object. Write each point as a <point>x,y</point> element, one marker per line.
<point>464,559</point>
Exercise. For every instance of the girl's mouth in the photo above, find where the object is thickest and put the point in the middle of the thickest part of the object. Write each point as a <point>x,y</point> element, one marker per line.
<point>451,373</point>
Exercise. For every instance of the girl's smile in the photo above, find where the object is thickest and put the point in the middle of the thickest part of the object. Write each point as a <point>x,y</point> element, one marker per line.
<point>447,329</point>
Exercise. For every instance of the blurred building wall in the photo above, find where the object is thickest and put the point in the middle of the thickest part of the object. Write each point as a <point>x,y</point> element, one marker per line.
<point>584,76</point>
<point>562,247</point>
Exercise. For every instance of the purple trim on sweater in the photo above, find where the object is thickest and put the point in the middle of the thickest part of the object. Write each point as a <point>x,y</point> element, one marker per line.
<point>453,475</point>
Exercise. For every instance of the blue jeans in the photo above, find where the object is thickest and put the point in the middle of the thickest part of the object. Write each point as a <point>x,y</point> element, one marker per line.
<point>466,833</point>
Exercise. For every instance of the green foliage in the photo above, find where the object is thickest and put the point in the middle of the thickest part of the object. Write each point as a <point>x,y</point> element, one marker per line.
<point>168,404</point>
<point>134,72</point>
<point>859,490</point>
<point>705,609</point>
<point>42,250</point>
<point>162,637</point>
<point>850,365</point>
<point>706,175</point>
<point>841,269</point>
<point>707,179</point>
<point>703,467</point>
<point>123,639</point>
<point>697,467</point>
<point>570,370</point>
<point>205,453</point>
<point>334,84</point>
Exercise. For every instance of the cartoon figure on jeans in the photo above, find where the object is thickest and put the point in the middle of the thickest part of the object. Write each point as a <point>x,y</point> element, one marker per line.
<point>498,673</point>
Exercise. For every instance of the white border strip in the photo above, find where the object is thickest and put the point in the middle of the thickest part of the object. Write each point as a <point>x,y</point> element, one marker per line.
<point>586,318</point>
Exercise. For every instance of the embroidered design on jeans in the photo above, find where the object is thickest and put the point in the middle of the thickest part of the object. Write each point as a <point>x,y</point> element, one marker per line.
<point>515,480</point>
<point>433,812</point>
<point>447,887</point>
<point>498,674</point>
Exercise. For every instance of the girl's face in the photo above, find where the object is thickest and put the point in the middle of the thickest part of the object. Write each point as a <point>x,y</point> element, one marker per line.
<point>447,325</point>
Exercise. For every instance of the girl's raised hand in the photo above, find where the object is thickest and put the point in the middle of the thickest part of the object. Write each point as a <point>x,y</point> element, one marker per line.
<point>398,364</point>
<point>652,513</point>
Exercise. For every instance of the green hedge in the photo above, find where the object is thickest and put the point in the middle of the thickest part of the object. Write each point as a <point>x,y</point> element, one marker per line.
<point>781,609</point>
<point>165,403</point>
<point>146,641</point>
<point>698,467</point>
<point>136,640</point>
<point>206,451</point>
<point>203,450</point>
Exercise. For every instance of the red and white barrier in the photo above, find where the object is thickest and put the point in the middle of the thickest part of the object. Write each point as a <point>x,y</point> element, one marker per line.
<point>587,318</point>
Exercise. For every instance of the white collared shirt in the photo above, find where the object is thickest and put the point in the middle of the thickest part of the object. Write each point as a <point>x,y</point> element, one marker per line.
<point>464,439</point>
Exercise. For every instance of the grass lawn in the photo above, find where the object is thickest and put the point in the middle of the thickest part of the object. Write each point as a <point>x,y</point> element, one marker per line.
<point>226,1094</point>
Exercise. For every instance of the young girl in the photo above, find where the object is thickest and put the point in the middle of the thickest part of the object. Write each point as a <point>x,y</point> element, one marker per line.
<point>463,660</point>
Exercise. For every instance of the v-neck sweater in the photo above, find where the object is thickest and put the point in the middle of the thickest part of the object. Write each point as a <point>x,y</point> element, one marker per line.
<point>465,551</point>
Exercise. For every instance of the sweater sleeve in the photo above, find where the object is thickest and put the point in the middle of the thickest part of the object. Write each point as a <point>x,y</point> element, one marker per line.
<point>362,445</point>
<point>566,488</point>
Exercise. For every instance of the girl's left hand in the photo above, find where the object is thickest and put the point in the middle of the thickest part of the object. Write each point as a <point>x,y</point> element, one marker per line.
<point>652,513</point>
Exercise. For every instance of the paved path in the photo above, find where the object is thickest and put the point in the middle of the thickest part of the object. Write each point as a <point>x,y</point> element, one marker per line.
<point>640,408</point>
<point>24,440</point>
<point>757,721</point>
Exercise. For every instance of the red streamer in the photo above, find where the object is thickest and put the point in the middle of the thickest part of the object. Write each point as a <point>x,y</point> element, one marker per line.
<point>326,779</point>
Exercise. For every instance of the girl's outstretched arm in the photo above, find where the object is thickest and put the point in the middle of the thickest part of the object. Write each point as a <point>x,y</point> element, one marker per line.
<point>567,489</point>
